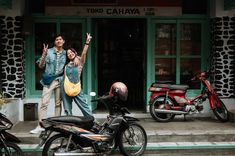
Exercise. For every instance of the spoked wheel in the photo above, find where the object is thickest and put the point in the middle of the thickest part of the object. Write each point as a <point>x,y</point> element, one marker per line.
<point>133,140</point>
<point>12,150</point>
<point>220,111</point>
<point>161,103</point>
<point>58,144</point>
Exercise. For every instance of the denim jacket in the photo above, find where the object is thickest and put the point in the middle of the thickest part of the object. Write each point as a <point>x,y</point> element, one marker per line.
<point>73,73</point>
<point>51,62</point>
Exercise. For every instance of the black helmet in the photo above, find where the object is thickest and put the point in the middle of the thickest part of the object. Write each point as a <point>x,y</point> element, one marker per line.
<point>119,90</point>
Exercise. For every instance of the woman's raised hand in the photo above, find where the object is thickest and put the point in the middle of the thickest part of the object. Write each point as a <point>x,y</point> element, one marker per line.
<point>88,38</point>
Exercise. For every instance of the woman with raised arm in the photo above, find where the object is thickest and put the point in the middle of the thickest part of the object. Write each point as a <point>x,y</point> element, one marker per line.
<point>72,73</point>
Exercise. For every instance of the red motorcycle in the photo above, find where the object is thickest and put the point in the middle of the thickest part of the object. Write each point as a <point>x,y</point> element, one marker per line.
<point>168,100</point>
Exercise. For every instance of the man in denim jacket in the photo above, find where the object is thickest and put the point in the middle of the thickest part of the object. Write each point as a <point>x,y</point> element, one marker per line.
<point>52,61</point>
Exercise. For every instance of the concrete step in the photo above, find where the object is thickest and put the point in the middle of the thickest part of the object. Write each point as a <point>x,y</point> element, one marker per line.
<point>232,115</point>
<point>190,137</point>
<point>160,136</point>
<point>162,146</point>
<point>179,130</point>
<point>193,137</point>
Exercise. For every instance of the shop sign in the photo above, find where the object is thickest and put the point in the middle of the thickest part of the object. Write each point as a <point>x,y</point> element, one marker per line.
<point>114,11</point>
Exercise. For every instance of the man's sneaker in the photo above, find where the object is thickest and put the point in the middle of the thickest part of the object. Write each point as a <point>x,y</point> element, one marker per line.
<point>37,130</point>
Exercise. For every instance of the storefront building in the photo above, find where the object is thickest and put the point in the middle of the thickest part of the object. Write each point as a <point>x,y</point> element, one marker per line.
<point>136,42</point>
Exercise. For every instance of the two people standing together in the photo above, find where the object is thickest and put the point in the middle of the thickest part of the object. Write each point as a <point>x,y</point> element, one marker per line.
<point>54,62</point>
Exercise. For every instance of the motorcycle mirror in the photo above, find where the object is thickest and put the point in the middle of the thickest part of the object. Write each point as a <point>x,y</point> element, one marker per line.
<point>92,93</point>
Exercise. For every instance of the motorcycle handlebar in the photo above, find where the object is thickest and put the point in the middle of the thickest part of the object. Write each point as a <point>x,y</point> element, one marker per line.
<point>200,75</point>
<point>104,97</point>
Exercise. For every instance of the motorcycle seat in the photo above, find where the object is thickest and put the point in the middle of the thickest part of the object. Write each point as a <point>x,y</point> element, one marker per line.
<point>161,85</point>
<point>80,121</point>
<point>170,86</point>
<point>180,87</point>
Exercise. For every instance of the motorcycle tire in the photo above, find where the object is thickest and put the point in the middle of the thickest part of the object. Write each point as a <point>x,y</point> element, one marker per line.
<point>157,104</point>
<point>221,112</point>
<point>13,149</point>
<point>57,143</point>
<point>132,140</point>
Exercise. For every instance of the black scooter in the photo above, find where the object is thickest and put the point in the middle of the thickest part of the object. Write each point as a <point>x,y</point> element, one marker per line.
<point>75,135</point>
<point>8,142</point>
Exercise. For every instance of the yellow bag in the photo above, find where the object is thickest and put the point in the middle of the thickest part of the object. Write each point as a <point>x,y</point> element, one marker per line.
<point>70,88</point>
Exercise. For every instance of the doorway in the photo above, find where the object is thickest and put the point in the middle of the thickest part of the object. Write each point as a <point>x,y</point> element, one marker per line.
<point>121,57</point>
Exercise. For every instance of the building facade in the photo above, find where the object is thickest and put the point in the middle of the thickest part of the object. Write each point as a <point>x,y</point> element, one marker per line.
<point>135,42</point>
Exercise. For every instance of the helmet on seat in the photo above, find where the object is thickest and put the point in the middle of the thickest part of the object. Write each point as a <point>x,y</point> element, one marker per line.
<point>119,90</point>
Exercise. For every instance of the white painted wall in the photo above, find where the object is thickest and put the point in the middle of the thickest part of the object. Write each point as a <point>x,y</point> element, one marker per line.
<point>16,10</point>
<point>15,110</point>
<point>11,110</point>
<point>217,9</point>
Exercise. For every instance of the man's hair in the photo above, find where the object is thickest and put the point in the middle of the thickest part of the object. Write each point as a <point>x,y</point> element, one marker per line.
<point>59,35</point>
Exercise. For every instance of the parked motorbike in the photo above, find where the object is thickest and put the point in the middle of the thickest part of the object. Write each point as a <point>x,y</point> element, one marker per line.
<point>8,142</point>
<point>78,135</point>
<point>168,100</point>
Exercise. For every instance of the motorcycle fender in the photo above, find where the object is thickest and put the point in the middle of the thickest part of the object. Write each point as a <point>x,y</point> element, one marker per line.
<point>10,137</point>
<point>44,136</point>
<point>130,119</point>
<point>116,123</point>
<point>153,96</point>
<point>212,103</point>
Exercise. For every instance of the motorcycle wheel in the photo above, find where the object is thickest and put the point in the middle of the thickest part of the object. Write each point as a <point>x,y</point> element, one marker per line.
<point>159,103</point>
<point>133,140</point>
<point>14,150</point>
<point>58,143</point>
<point>221,112</point>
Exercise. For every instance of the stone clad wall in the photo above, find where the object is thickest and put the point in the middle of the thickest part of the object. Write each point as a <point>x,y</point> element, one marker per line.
<point>12,57</point>
<point>223,49</point>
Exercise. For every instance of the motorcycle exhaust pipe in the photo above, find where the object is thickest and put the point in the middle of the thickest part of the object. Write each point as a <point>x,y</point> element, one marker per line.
<point>75,154</point>
<point>170,111</point>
